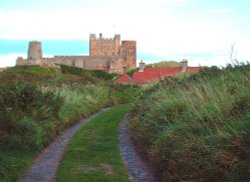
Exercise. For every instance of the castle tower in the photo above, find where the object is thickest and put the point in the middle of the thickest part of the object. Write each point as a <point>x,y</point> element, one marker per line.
<point>129,54</point>
<point>34,51</point>
<point>103,46</point>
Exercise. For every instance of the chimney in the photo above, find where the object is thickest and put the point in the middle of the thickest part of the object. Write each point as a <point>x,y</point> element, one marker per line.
<point>100,36</point>
<point>184,65</point>
<point>141,66</point>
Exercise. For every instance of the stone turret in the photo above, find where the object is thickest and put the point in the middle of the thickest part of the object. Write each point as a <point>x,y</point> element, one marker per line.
<point>35,51</point>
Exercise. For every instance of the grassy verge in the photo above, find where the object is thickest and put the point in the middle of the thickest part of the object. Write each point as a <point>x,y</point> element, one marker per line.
<point>37,104</point>
<point>197,128</point>
<point>93,154</point>
<point>13,163</point>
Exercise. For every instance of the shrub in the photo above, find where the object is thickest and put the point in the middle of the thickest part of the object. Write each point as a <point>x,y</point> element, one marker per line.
<point>23,108</point>
<point>76,71</point>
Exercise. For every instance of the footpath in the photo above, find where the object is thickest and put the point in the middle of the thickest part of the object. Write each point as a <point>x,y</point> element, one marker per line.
<point>45,166</point>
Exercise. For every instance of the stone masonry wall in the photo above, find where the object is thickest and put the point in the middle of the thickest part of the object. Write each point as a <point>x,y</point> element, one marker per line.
<point>129,54</point>
<point>112,64</point>
<point>35,51</point>
<point>104,47</point>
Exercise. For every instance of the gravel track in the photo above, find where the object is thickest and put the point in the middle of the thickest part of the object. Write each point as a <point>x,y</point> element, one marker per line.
<point>45,165</point>
<point>138,169</point>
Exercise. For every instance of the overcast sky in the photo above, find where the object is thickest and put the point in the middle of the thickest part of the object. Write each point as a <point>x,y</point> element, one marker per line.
<point>201,31</point>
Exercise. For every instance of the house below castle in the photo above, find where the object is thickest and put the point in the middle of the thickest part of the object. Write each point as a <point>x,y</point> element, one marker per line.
<point>110,55</point>
<point>148,75</point>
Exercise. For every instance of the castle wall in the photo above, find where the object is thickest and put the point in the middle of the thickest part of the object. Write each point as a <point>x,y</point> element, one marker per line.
<point>112,64</point>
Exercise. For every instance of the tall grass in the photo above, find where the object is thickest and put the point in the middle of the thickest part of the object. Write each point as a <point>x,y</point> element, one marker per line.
<point>37,104</point>
<point>197,128</point>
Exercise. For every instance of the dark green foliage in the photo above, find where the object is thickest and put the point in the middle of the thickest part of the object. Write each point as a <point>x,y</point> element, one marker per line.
<point>103,75</point>
<point>23,108</point>
<point>196,127</point>
<point>125,93</point>
<point>76,71</point>
<point>131,72</point>
<point>88,75</point>
<point>31,74</point>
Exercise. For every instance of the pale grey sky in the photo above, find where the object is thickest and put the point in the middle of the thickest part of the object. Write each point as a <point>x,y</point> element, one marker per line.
<point>199,30</point>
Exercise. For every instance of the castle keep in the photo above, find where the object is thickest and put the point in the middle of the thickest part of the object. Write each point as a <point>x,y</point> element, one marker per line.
<point>110,55</point>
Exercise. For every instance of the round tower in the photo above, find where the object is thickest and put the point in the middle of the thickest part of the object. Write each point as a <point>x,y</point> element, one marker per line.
<point>35,51</point>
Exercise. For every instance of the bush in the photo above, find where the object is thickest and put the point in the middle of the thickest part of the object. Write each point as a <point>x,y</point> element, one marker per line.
<point>32,74</point>
<point>23,109</point>
<point>103,75</point>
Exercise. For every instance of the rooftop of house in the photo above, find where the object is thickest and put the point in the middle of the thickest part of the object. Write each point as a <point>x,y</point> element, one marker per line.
<point>125,78</point>
<point>146,75</point>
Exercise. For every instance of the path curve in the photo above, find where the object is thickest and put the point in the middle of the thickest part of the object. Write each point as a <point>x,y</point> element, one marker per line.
<point>138,169</point>
<point>45,165</point>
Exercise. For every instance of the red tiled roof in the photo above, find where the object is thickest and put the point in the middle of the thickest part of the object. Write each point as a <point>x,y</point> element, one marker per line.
<point>124,79</point>
<point>154,74</point>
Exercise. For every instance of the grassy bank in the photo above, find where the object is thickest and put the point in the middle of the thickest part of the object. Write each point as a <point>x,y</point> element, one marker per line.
<point>93,153</point>
<point>197,128</point>
<point>37,104</point>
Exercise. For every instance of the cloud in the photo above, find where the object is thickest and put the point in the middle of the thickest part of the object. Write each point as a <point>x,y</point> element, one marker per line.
<point>74,19</point>
<point>9,60</point>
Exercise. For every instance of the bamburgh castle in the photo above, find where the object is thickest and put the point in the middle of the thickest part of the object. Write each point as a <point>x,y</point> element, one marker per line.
<point>110,55</point>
